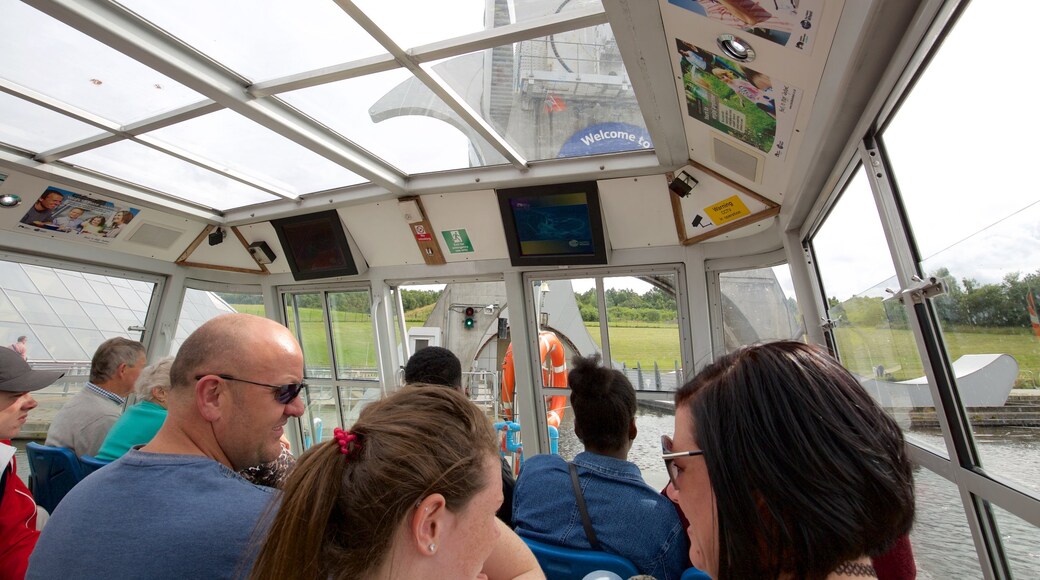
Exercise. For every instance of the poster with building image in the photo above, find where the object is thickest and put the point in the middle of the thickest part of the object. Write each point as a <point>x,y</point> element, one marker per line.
<point>73,214</point>
<point>738,100</point>
<point>790,23</point>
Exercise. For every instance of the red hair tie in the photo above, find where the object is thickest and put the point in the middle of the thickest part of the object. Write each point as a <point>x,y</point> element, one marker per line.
<point>343,438</point>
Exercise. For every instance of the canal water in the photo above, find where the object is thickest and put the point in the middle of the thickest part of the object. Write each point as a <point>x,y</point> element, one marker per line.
<point>941,539</point>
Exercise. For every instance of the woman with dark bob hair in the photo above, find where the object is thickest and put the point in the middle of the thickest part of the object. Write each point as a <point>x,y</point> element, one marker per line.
<point>627,517</point>
<point>409,491</point>
<point>786,467</point>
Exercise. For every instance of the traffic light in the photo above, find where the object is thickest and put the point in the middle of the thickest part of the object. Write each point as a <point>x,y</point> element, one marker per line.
<point>468,322</point>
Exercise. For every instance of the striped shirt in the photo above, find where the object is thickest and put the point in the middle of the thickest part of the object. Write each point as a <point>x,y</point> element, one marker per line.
<point>106,394</point>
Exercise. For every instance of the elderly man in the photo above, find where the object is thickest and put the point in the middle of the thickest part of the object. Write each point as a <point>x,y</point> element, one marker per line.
<point>175,508</point>
<point>83,423</point>
<point>17,509</point>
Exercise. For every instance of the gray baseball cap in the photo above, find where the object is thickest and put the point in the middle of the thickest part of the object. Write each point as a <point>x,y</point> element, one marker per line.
<point>17,377</point>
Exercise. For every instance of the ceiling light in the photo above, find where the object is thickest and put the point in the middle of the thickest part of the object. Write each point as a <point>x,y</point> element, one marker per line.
<point>736,48</point>
<point>9,200</point>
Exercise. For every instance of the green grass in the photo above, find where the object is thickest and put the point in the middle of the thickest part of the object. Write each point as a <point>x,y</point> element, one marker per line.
<point>863,349</point>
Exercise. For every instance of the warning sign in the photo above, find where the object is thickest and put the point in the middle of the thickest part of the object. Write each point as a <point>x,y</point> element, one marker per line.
<point>727,210</point>
<point>457,241</point>
<point>421,235</point>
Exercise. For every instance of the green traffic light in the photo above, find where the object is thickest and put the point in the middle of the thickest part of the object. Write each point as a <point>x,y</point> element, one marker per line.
<point>469,322</point>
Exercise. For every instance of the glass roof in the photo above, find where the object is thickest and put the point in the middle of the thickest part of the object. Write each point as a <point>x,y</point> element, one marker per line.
<point>230,104</point>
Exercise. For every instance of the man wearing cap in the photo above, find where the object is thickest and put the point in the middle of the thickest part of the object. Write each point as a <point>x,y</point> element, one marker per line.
<point>83,423</point>
<point>175,508</point>
<point>18,532</point>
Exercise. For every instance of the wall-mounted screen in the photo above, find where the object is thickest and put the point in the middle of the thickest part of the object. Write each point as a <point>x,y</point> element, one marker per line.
<point>315,245</point>
<point>553,224</point>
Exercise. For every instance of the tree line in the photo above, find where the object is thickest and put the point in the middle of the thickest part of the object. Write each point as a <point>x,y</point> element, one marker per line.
<point>966,303</point>
<point>355,301</point>
<point>655,305</point>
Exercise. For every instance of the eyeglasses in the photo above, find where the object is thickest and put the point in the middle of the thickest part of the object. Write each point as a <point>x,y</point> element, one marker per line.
<point>667,454</point>
<point>284,394</point>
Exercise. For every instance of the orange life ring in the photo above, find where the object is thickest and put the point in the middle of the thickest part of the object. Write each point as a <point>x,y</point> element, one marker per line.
<point>554,374</point>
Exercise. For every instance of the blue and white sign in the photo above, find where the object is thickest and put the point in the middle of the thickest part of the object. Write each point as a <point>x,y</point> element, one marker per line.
<point>606,138</point>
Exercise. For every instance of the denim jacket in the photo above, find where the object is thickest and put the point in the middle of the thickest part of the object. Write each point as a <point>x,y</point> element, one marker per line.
<point>629,517</point>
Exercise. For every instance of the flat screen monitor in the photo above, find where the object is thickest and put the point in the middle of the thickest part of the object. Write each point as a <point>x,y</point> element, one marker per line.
<point>553,225</point>
<point>315,245</point>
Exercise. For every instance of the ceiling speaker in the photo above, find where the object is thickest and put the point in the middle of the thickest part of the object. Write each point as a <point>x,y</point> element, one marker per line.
<point>156,236</point>
<point>736,160</point>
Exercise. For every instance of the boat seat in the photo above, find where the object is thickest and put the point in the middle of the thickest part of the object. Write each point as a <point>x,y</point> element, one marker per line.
<point>53,471</point>
<point>90,464</point>
<point>561,563</point>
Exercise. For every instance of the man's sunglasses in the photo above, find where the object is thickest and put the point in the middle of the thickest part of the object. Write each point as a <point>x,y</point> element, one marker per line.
<point>284,394</point>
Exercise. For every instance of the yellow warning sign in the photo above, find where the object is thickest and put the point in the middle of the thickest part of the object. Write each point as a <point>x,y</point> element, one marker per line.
<point>727,210</point>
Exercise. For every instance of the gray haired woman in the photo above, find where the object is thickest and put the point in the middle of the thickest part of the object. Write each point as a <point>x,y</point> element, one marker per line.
<point>141,422</point>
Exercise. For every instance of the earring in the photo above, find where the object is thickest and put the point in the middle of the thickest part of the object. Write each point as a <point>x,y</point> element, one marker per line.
<point>433,547</point>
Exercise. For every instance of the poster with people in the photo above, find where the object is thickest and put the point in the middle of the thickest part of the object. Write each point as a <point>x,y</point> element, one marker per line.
<point>789,23</point>
<point>737,100</point>
<point>93,220</point>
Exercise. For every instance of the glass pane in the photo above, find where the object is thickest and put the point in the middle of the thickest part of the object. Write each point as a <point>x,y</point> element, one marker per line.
<point>102,317</point>
<point>54,59</point>
<point>47,281</point>
<point>306,310</point>
<point>7,310</point>
<point>132,299</point>
<point>110,297</point>
<point>396,117</point>
<point>643,322</point>
<point>237,144</point>
<point>567,95</point>
<point>35,128</point>
<point>60,343</point>
<point>71,314</point>
<point>34,308</point>
<point>1021,543</point>
<point>977,230</point>
<point>14,278</point>
<point>198,307</point>
<point>408,23</point>
<point>353,341</point>
<point>263,39</point>
<point>78,286</point>
<point>941,540</point>
<point>320,416</point>
<point>88,340</point>
<point>146,166</point>
<point>871,331</point>
<point>246,303</point>
<point>756,308</point>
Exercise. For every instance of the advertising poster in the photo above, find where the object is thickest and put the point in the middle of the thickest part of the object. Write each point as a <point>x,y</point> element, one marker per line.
<point>737,100</point>
<point>93,220</point>
<point>789,23</point>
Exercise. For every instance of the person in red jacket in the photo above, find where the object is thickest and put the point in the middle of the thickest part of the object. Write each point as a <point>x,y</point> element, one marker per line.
<point>18,532</point>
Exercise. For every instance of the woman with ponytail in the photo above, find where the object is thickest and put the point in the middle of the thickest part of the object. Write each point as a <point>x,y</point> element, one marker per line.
<point>409,491</point>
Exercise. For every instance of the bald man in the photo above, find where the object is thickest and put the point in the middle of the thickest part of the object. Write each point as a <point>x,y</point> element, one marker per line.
<point>175,508</point>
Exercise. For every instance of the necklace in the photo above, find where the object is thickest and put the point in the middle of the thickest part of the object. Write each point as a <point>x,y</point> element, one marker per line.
<point>856,569</point>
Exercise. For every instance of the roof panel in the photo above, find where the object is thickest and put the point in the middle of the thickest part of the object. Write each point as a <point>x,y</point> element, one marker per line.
<point>56,60</point>
<point>396,117</point>
<point>263,39</point>
<point>234,142</point>
<point>29,126</point>
<point>136,163</point>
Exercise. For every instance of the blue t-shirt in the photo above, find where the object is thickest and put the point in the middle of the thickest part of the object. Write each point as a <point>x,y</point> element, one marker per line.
<point>630,518</point>
<point>153,515</point>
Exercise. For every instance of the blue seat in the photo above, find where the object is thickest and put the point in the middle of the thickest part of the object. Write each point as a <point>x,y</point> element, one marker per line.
<point>561,563</point>
<point>89,464</point>
<point>53,471</point>
<point>694,574</point>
